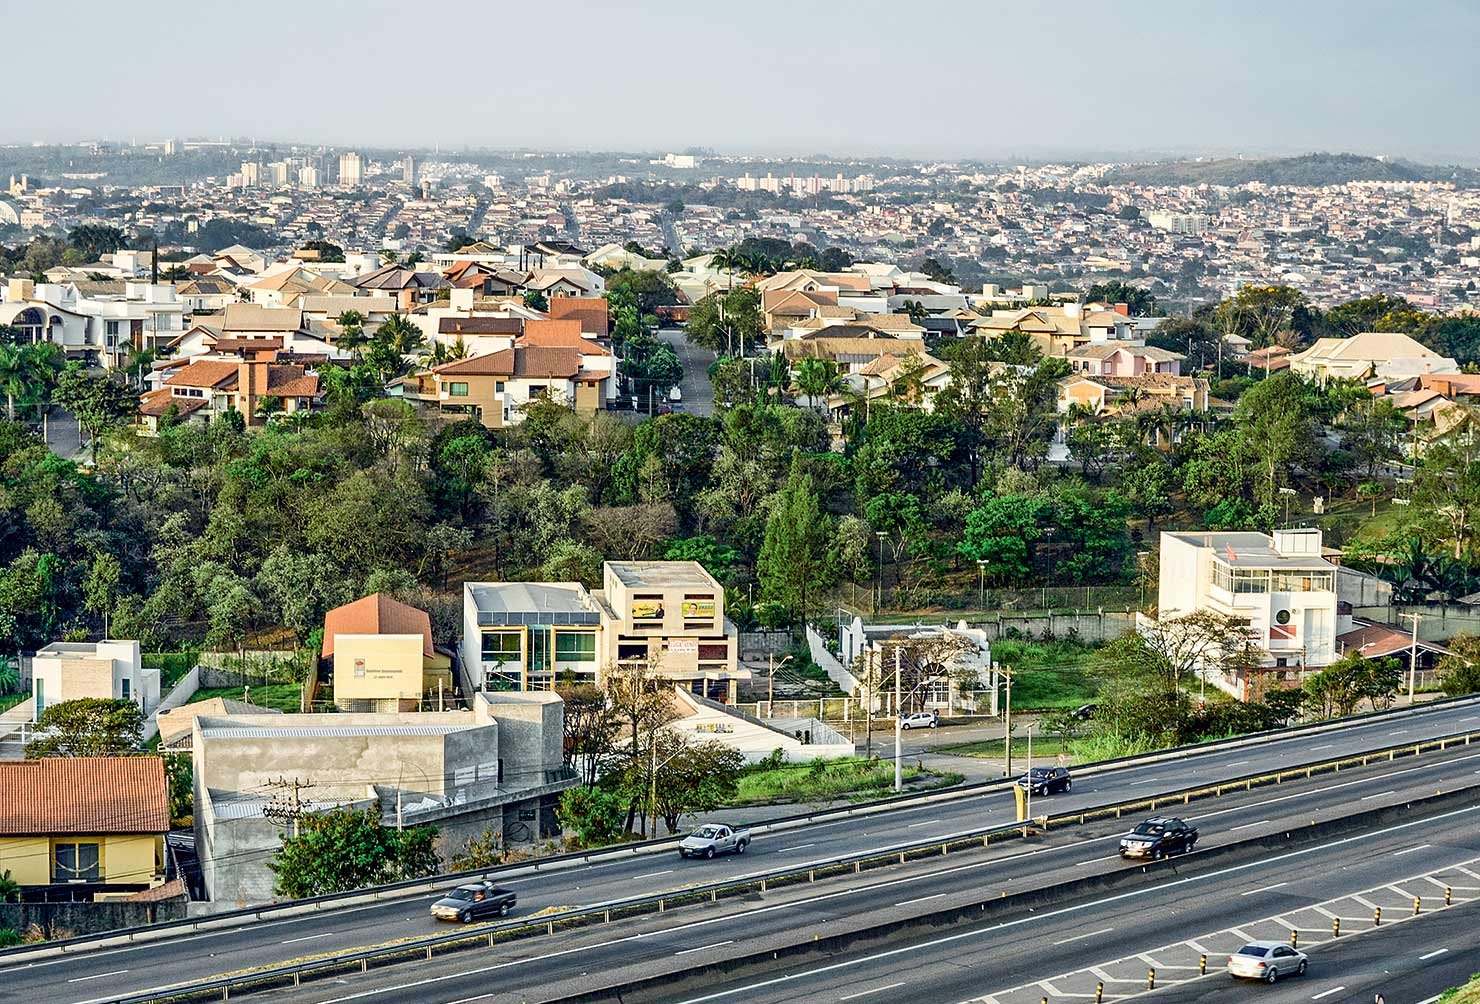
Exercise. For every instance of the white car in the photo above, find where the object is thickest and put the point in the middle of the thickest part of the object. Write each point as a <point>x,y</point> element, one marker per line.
<point>1267,961</point>
<point>919,720</point>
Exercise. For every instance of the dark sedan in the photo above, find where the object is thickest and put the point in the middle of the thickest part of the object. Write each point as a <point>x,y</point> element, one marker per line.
<point>1046,780</point>
<point>474,900</point>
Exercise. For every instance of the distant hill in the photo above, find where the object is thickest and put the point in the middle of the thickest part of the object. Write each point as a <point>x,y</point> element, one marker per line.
<point>1312,169</point>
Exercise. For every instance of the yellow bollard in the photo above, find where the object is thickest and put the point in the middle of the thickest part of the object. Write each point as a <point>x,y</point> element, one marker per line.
<point>1202,965</point>
<point>1335,927</point>
<point>1151,979</point>
<point>1417,905</point>
<point>1448,896</point>
<point>1294,938</point>
<point>1099,993</point>
<point>1376,916</point>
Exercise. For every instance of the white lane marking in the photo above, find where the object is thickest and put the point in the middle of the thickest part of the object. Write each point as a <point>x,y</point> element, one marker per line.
<point>1410,850</point>
<point>1398,732</point>
<point>1255,892</point>
<point>1238,763</point>
<point>1432,955</point>
<point>97,976</point>
<point>705,948</point>
<point>924,822</point>
<point>1328,993</point>
<point>1380,794</point>
<point>1146,780</point>
<point>1081,937</point>
<point>1316,749</point>
<point>922,899</point>
<point>311,937</point>
<point>875,990</point>
<point>1245,826</point>
<point>1038,918</point>
<point>1091,861</point>
<point>668,871</point>
<point>798,847</point>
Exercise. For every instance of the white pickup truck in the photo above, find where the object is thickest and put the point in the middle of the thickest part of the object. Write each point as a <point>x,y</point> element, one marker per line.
<point>711,839</point>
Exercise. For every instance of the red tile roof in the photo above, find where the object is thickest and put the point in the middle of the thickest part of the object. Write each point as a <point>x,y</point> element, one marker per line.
<point>83,795</point>
<point>377,614</point>
<point>547,361</point>
<point>589,311</point>
<point>500,363</point>
<point>480,325</point>
<point>566,332</point>
<point>205,373</point>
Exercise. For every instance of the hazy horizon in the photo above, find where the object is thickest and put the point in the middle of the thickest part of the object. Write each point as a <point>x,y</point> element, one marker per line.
<point>1141,80</point>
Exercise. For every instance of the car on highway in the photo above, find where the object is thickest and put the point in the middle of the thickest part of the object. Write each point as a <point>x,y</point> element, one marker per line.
<point>1046,780</point>
<point>474,900</point>
<point>711,839</point>
<point>1084,712</point>
<point>1157,837</point>
<point>919,720</point>
<point>1267,961</point>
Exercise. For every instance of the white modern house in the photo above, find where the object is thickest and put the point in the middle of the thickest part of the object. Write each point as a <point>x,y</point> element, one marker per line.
<point>67,671</point>
<point>1280,585</point>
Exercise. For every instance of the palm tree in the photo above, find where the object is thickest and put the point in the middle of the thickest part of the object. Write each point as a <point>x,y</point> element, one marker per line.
<point>140,360</point>
<point>352,332</point>
<point>13,377</point>
<point>401,335</point>
<point>916,311</point>
<point>818,379</point>
<point>438,353</point>
<point>728,259</point>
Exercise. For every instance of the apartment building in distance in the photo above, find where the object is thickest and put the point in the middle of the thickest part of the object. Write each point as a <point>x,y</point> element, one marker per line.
<point>1281,586</point>
<point>665,615</point>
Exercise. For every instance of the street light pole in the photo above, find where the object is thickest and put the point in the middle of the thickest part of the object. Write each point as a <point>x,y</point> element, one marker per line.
<point>981,583</point>
<point>771,680</point>
<point>1007,724</point>
<point>1413,657</point>
<point>1028,812</point>
<point>881,535</point>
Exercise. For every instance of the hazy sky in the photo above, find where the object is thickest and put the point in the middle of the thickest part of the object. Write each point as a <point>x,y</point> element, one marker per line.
<point>915,77</point>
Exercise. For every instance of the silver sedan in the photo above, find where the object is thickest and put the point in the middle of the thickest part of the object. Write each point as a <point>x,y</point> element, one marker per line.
<point>1267,961</point>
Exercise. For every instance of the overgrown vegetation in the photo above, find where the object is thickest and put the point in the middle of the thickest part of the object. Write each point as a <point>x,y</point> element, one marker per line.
<point>853,778</point>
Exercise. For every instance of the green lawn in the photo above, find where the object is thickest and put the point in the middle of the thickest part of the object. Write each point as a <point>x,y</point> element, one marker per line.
<point>282,696</point>
<point>830,780</point>
<point>8,701</point>
<point>991,749</point>
<point>1048,674</point>
<point>172,666</point>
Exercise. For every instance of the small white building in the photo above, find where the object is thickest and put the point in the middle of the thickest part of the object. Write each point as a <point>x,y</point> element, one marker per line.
<point>67,671</point>
<point>1281,585</point>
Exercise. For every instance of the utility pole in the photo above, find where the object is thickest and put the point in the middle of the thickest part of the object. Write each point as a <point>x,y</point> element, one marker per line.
<point>898,732</point>
<point>981,583</point>
<point>1413,656</point>
<point>287,809</point>
<point>880,575</point>
<point>1029,813</point>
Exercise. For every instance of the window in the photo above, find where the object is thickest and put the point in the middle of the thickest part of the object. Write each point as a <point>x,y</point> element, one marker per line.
<point>457,390</point>
<point>77,862</point>
<point>123,688</point>
<point>1248,580</point>
<point>110,328</point>
<point>40,696</point>
<point>498,387</point>
<point>575,646</point>
<point>501,646</point>
<point>714,652</point>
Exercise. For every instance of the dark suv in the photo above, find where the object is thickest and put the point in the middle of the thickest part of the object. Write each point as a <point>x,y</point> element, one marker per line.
<point>1046,780</point>
<point>1157,837</point>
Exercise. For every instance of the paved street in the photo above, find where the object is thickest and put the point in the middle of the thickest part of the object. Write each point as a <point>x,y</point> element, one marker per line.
<point>698,393</point>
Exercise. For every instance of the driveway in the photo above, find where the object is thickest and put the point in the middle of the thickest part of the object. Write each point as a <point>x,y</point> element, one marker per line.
<point>698,392</point>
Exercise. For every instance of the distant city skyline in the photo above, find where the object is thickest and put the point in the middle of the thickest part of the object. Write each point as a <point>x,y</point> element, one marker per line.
<point>932,79</point>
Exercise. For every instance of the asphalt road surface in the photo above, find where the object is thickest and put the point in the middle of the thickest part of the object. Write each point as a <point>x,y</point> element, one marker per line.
<point>205,954</point>
<point>697,391</point>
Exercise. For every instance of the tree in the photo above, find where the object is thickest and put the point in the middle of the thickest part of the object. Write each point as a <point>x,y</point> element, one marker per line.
<point>352,336</point>
<point>328,251</point>
<point>1140,302</point>
<point>999,531</point>
<point>1277,431</point>
<point>692,777</point>
<point>536,300</point>
<point>1459,670</point>
<point>726,322</point>
<point>1174,648</point>
<point>1346,683</point>
<point>98,402</point>
<point>817,379</point>
<point>591,726</point>
<point>100,588</point>
<point>934,270</point>
<point>595,815</point>
<point>87,726</point>
<point>341,849</point>
<point>793,556</point>
<point>92,241</point>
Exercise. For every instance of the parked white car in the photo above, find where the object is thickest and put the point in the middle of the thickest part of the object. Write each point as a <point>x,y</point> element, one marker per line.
<point>919,720</point>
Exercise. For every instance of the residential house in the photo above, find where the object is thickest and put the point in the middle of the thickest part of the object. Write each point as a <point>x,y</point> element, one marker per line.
<point>1119,395</point>
<point>206,294</point>
<point>107,670</point>
<point>667,616</point>
<point>1280,585</point>
<point>949,667</point>
<point>83,828</point>
<point>572,281</point>
<point>1111,359</point>
<point>1390,355</point>
<point>408,286</point>
<point>205,388</point>
<point>381,656</point>
<point>849,347</point>
<point>1056,331</point>
<point>590,311</point>
<point>290,284</point>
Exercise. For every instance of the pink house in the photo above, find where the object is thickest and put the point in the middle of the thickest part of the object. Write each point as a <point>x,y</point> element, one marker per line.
<point>1102,359</point>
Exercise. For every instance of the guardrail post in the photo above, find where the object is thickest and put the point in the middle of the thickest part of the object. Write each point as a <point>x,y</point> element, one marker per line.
<point>364,965</point>
<point>1448,896</point>
<point>606,916</point>
<point>660,908</point>
<point>550,927</point>
<point>490,940</point>
<point>1335,927</point>
<point>297,979</point>
<point>1417,905</point>
<point>1202,966</point>
<point>1376,916</point>
<point>1151,979</point>
<point>811,874</point>
<point>429,953</point>
<point>942,850</point>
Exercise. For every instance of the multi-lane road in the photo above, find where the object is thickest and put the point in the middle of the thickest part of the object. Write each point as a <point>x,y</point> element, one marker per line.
<point>204,954</point>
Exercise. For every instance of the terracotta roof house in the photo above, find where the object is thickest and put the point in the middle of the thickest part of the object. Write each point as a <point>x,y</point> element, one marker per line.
<point>408,285</point>
<point>381,654</point>
<point>75,827</point>
<point>1388,354</point>
<point>590,311</point>
<point>205,388</point>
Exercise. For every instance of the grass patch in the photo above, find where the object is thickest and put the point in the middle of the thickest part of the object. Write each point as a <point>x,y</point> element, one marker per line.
<point>8,701</point>
<point>286,697</point>
<point>172,666</point>
<point>1053,675</point>
<point>991,749</point>
<point>1467,994</point>
<point>831,780</point>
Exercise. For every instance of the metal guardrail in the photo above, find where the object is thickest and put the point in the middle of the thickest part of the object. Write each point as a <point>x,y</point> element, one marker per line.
<point>557,862</point>
<point>292,973</point>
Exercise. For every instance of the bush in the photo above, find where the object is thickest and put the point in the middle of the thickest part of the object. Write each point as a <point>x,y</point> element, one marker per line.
<point>9,937</point>
<point>594,814</point>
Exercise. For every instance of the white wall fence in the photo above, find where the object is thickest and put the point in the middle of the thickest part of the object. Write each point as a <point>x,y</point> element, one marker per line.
<point>179,694</point>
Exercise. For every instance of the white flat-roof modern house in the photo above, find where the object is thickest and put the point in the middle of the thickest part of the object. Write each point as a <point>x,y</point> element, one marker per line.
<point>1281,585</point>
<point>66,671</point>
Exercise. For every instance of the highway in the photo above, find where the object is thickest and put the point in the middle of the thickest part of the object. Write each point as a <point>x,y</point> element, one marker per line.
<point>642,946</point>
